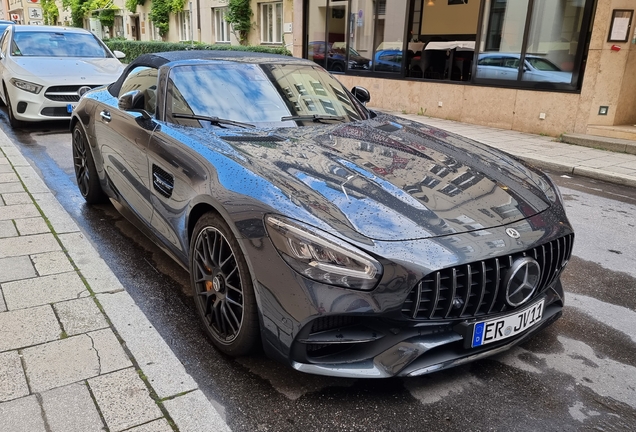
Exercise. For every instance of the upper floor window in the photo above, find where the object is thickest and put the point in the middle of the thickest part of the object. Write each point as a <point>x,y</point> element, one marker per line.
<point>184,25</point>
<point>272,22</point>
<point>221,27</point>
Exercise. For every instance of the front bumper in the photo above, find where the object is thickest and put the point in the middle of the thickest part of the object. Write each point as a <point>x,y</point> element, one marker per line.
<point>414,351</point>
<point>30,107</point>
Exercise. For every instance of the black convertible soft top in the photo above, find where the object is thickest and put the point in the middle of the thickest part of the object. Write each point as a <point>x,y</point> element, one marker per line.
<point>157,60</point>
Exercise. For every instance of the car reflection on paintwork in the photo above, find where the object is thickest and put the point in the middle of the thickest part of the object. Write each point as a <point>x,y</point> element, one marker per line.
<point>342,241</point>
<point>505,66</point>
<point>336,57</point>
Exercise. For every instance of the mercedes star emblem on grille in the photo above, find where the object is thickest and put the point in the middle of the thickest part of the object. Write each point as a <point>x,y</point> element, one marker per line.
<point>521,281</point>
<point>513,233</point>
<point>83,90</point>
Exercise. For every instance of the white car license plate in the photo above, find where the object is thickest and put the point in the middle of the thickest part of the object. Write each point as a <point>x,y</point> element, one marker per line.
<point>485,332</point>
<point>70,108</point>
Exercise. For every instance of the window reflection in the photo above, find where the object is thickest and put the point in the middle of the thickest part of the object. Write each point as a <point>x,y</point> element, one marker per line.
<point>502,39</point>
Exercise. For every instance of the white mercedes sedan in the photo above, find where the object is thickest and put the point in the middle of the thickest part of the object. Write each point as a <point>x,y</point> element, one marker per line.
<point>45,70</point>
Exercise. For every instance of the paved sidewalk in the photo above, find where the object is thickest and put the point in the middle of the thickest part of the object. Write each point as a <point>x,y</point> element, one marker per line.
<point>76,353</point>
<point>545,152</point>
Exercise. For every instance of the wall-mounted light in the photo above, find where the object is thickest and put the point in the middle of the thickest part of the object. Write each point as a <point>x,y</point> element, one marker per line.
<point>430,3</point>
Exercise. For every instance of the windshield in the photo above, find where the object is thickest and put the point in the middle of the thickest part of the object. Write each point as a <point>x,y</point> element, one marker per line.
<point>542,64</point>
<point>58,44</point>
<point>257,94</point>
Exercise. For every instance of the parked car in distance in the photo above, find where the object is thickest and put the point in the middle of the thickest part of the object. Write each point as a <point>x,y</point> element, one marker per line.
<point>336,57</point>
<point>505,66</point>
<point>4,24</point>
<point>342,241</point>
<point>45,70</point>
<point>389,60</point>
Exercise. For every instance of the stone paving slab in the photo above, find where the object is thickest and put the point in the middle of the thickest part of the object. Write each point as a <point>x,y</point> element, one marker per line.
<point>70,360</point>
<point>21,210</point>
<point>16,268</point>
<point>160,425</point>
<point>22,415</point>
<point>71,409</point>
<point>93,267</point>
<point>7,229</point>
<point>13,383</point>
<point>59,219</point>
<point>51,263</point>
<point>28,245</point>
<point>17,198</point>
<point>26,327</point>
<point>30,226</point>
<point>43,290</point>
<point>190,414</point>
<point>80,316</point>
<point>124,399</point>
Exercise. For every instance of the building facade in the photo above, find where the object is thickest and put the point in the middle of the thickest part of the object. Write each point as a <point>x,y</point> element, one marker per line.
<point>541,66</point>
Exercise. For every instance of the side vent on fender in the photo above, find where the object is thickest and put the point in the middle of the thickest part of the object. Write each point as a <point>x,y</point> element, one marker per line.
<point>162,181</point>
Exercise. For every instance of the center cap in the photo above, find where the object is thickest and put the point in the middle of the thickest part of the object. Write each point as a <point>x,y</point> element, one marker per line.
<point>217,284</point>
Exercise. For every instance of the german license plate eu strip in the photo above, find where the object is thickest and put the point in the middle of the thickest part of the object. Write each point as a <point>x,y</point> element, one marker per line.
<point>489,331</point>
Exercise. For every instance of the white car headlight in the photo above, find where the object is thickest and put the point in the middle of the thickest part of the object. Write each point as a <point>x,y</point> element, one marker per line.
<point>26,85</point>
<point>321,256</point>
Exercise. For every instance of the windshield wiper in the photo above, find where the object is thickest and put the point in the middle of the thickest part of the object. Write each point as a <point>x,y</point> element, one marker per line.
<point>214,120</point>
<point>314,117</point>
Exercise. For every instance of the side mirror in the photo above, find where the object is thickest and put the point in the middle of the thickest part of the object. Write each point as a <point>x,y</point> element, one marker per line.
<point>361,94</point>
<point>119,54</point>
<point>133,101</point>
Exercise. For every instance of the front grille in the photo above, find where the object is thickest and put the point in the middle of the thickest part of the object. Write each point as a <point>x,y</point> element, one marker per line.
<point>64,93</point>
<point>472,290</point>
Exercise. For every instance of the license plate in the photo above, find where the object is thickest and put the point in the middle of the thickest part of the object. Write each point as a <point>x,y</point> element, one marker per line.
<point>485,332</point>
<point>70,108</point>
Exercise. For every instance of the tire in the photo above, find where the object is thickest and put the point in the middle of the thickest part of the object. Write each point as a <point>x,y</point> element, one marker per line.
<point>337,67</point>
<point>85,171</point>
<point>15,123</point>
<point>222,287</point>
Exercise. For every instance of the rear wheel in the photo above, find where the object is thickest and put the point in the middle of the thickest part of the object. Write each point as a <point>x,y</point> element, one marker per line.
<point>85,171</point>
<point>222,287</point>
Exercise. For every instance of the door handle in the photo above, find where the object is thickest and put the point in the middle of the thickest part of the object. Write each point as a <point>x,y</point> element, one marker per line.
<point>105,115</point>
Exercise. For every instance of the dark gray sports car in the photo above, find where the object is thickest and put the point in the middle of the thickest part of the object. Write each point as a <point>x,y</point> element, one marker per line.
<point>343,241</point>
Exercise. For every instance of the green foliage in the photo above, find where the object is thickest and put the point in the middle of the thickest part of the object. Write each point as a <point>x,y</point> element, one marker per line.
<point>107,17</point>
<point>50,12</point>
<point>134,49</point>
<point>160,15</point>
<point>131,5</point>
<point>239,15</point>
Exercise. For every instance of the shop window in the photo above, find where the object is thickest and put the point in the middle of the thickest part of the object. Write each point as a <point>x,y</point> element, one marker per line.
<point>221,27</point>
<point>272,22</point>
<point>513,43</point>
<point>552,41</point>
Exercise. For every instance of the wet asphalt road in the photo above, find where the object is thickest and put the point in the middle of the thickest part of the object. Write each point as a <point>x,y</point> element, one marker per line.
<point>579,374</point>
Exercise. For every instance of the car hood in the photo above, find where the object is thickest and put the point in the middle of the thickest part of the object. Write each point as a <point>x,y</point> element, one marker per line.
<point>391,179</point>
<point>69,70</point>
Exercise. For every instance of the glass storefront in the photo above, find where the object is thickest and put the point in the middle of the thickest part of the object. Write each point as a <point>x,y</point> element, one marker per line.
<point>508,43</point>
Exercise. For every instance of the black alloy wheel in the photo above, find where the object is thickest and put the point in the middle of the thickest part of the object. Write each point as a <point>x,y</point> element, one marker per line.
<point>85,171</point>
<point>222,287</point>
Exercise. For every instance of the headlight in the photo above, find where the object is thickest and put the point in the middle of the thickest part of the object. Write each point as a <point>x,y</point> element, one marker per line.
<point>321,256</point>
<point>26,85</point>
<point>550,189</point>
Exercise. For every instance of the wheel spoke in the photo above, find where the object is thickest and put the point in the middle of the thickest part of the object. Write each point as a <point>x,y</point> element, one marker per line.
<point>229,300</point>
<point>233,288</point>
<point>233,315</point>
<point>226,319</point>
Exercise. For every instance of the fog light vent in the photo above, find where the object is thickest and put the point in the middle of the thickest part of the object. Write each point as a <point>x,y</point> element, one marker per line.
<point>21,107</point>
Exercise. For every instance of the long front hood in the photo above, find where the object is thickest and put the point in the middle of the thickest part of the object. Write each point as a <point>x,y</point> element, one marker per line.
<point>72,71</point>
<point>390,179</point>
